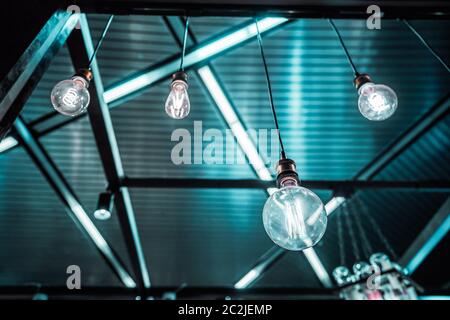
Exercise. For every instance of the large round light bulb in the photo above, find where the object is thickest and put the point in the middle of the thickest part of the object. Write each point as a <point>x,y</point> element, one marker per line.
<point>294,218</point>
<point>376,101</point>
<point>71,97</point>
<point>177,103</point>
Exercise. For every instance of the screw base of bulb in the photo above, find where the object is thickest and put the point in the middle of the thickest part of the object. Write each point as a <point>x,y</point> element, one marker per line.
<point>85,74</point>
<point>287,173</point>
<point>360,80</point>
<point>180,76</point>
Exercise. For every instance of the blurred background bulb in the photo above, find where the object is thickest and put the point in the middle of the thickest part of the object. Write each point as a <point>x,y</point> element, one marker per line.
<point>294,217</point>
<point>381,261</point>
<point>376,101</point>
<point>342,275</point>
<point>362,269</point>
<point>71,97</point>
<point>177,103</point>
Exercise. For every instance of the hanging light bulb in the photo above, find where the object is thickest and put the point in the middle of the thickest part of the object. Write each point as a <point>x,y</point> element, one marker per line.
<point>71,97</point>
<point>376,102</point>
<point>177,103</point>
<point>294,217</point>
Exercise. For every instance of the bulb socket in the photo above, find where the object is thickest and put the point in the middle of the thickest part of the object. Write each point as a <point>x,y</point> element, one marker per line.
<point>360,80</point>
<point>287,173</point>
<point>180,76</point>
<point>86,74</point>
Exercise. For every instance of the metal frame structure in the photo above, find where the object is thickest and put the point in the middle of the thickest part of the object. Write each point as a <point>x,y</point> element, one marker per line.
<point>80,46</point>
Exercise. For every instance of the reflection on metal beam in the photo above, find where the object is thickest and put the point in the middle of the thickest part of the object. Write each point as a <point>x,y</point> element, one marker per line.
<point>199,54</point>
<point>407,138</point>
<point>70,201</point>
<point>428,239</point>
<point>23,78</point>
<point>336,185</point>
<point>81,48</point>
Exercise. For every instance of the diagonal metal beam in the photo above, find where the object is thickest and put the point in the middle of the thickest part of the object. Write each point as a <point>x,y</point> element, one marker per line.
<point>386,156</point>
<point>81,48</point>
<point>428,239</point>
<point>71,203</point>
<point>335,185</point>
<point>19,83</point>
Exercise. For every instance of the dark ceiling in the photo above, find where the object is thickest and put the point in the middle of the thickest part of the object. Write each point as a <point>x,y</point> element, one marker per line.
<point>211,237</point>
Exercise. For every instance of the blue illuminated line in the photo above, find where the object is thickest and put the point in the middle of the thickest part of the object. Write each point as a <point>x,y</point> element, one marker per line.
<point>429,245</point>
<point>196,56</point>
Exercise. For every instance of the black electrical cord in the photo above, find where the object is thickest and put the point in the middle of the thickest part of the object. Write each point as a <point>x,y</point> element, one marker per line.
<point>184,44</point>
<point>425,43</point>
<point>99,43</point>
<point>350,61</point>
<point>269,89</point>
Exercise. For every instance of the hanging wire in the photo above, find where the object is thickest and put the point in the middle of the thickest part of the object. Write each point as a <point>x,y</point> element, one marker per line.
<point>356,213</point>
<point>350,61</point>
<point>351,232</point>
<point>425,43</point>
<point>99,43</point>
<point>377,229</point>
<point>341,241</point>
<point>269,89</point>
<point>184,44</point>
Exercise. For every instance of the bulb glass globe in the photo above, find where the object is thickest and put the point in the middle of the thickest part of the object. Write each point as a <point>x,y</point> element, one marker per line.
<point>71,97</point>
<point>294,218</point>
<point>177,103</point>
<point>376,102</point>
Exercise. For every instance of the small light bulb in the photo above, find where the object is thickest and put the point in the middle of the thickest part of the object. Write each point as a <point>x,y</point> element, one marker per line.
<point>376,102</point>
<point>104,206</point>
<point>177,103</point>
<point>294,217</point>
<point>71,97</point>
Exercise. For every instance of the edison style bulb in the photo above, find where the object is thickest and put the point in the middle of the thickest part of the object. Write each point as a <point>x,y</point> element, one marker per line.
<point>71,97</point>
<point>177,103</point>
<point>376,102</point>
<point>381,261</point>
<point>294,217</point>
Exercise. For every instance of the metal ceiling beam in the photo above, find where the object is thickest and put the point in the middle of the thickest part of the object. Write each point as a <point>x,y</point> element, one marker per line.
<point>70,201</point>
<point>20,82</point>
<point>428,239</point>
<point>81,48</point>
<point>386,156</point>
<point>344,9</point>
<point>436,113</point>
<point>336,185</point>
